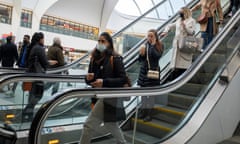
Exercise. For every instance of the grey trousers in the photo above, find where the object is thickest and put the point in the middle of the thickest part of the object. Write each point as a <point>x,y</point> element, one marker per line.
<point>94,123</point>
<point>148,102</point>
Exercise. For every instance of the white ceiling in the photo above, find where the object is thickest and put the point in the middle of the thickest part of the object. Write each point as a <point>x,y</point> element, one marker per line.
<point>92,12</point>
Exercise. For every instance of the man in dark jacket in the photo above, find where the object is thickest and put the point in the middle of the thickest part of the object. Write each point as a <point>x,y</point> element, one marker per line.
<point>22,58</point>
<point>8,53</point>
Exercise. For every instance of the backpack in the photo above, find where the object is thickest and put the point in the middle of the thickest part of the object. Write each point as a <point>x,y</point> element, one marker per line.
<point>127,84</point>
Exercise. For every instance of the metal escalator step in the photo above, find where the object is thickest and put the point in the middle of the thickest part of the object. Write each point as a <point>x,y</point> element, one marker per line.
<point>140,137</point>
<point>154,128</point>
<point>216,57</point>
<point>168,114</point>
<point>210,67</point>
<point>180,100</point>
<point>190,89</point>
<point>202,78</point>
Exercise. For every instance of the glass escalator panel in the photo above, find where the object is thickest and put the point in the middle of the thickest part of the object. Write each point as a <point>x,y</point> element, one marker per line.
<point>19,103</point>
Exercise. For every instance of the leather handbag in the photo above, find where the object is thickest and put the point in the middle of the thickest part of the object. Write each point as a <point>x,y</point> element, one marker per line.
<point>202,18</point>
<point>189,44</point>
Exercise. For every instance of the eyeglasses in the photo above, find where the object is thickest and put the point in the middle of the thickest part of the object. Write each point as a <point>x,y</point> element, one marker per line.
<point>102,41</point>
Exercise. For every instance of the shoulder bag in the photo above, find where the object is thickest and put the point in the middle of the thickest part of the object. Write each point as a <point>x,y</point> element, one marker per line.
<point>203,17</point>
<point>151,74</point>
<point>37,66</point>
<point>189,44</point>
<point>127,84</point>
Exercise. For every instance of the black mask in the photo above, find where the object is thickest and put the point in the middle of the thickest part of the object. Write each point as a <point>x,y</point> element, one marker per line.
<point>181,15</point>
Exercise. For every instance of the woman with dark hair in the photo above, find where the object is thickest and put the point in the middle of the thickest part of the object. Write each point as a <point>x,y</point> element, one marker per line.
<point>104,74</point>
<point>37,63</point>
<point>149,57</point>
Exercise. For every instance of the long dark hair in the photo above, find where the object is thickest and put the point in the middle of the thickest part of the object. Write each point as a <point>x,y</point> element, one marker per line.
<point>109,51</point>
<point>159,44</point>
<point>37,36</point>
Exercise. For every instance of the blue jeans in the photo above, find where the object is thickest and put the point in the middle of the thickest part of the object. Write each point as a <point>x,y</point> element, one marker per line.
<point>208,34</point>
<point>235,6</point>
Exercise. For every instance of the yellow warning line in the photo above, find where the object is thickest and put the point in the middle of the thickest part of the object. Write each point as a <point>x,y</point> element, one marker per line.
<point>153,125</point>
<point>170,111</point>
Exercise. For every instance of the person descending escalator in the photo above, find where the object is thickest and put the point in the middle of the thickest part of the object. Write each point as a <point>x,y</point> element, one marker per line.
<point>149,75</point>
<point>37,63</point>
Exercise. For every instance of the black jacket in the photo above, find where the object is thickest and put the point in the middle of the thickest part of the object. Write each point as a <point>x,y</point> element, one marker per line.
<point>8,54</point>
<point>154,56</point>
<point>112,77</point>
<point>37,52</point>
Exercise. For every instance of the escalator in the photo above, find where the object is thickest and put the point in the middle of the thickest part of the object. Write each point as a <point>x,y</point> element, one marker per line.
<point>192,109</point>
<point>83,104</point>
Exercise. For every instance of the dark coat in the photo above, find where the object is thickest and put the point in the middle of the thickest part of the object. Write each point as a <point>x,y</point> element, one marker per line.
<point>154,56</point>
<point>8,54</point>
<point>37,52</point>
<point>112,77</point>
<point>55,52</point>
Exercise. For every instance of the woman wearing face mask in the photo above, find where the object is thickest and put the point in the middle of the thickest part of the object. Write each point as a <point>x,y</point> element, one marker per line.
<point>184,26</point>
<point>149,56</point>
<point>104,74</point>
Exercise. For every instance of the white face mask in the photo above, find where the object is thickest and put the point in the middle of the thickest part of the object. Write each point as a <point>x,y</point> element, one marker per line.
<point>101,47</point>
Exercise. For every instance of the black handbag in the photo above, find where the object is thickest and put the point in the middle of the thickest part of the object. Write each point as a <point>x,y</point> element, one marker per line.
<point>38,88</point>
<point>37,66</point>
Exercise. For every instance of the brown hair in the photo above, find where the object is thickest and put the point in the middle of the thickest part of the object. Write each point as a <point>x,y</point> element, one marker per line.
<point>159,44</point>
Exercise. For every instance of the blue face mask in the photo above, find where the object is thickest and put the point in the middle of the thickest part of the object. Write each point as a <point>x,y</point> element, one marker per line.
<point>101,47</point>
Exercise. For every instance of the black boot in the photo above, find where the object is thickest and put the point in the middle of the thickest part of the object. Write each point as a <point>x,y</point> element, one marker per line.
<point>142,113</point>
<point>148,116</point>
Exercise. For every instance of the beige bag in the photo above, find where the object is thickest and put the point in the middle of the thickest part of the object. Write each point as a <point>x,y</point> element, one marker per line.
<point>152,74</point>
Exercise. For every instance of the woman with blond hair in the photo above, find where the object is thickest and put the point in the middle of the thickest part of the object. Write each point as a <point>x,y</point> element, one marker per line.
<point>184,26</point>
<point>213,10</point>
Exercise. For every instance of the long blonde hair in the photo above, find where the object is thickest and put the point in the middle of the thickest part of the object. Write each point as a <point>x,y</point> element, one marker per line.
<point>186,12</point>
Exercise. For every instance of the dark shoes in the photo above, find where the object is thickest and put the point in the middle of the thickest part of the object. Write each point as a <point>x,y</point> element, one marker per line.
<point>145,114</point>
<point>147,119</point>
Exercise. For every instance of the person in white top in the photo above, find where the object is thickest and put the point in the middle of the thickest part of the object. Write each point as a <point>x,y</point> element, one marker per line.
<point>184,26</point>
